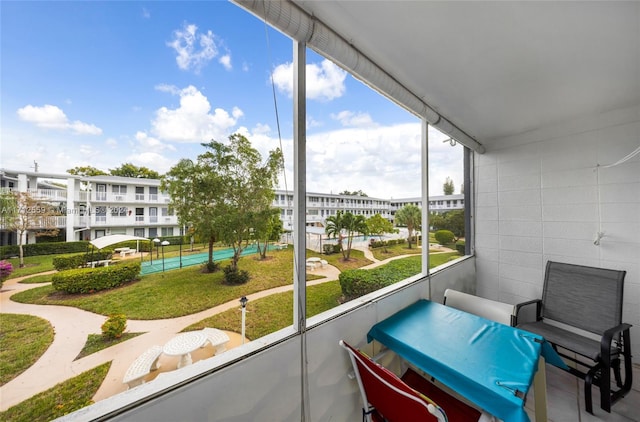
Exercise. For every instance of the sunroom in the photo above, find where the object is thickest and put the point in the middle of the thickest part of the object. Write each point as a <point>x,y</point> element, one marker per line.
<point>545,97</point>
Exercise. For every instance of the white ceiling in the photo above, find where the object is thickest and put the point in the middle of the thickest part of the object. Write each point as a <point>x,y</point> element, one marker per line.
<point>499,68</point>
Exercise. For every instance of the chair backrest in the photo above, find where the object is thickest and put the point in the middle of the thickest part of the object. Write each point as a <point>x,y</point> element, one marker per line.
<point>486,308</point>
<point>585,297</point>
<point>388,394</point>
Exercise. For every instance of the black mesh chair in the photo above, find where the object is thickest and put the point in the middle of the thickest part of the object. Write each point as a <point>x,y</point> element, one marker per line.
<point>588,301</point>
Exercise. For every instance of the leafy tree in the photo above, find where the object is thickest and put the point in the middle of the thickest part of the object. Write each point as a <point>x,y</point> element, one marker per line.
<point>246,190</point>
<point>436,221</point>
<point>354,193</point>
<point>448,187</point>
<point>268,227</point>
<point>454,222</point>
<point>86,171</point>
<point>130,170</point>
<point>22,213</point>
<point>349,223</point>
<point>410,216</point>
<point>378,225</point>
<point>195,189</point>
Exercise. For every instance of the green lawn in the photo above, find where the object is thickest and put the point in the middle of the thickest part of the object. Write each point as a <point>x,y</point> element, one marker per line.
<point>66,397</point>
<point>23,339</point>
<point>33,265</point>
<point>96,342</point>
<point>273,312</point>
<point>175,293</point>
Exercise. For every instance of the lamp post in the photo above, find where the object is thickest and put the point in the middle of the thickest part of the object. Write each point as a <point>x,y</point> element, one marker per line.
<point>243,303</point>
<point>151,251</point>
<point>181,237</point>
<point>156,241</point>
<point>164,243</point>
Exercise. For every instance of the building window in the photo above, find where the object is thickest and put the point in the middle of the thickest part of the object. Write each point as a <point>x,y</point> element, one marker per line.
<point>138,232</point>
<point>119,192</point>
<point>101,192</point>
<point>101,214</point>
<point>100,233</point>
<point>153,193</point>
<point>153,214</point>
<point>118,211</point>
<point>139,215</point>
<point>139,193</point>
<point>153,232</point>
<point>167,231</point>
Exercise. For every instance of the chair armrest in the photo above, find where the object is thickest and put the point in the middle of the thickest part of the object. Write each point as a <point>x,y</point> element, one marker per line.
<point>538,303</point>
<point>607,338</point>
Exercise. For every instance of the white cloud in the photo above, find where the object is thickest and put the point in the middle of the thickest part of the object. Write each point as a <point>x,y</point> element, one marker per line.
<point>382,161</point>
<point>261,129</point>
<point>351,119</point>
<point>149,142</point>
<point>325,81</point>
<point>111,142</point>
<point>146,13</point>
<point>151,160</point>
<point>193,120</point>
<point>194,50</point>
<point>226,61</point>
<point>52,117</point>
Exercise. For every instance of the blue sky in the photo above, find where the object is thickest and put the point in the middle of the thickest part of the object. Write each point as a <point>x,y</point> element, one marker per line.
<point>106,83</point>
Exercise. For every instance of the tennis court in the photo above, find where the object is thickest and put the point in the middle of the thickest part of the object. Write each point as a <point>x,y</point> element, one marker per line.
<point>190,260</point>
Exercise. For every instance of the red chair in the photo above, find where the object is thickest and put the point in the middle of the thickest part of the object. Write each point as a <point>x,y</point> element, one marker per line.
<point>389,398</point>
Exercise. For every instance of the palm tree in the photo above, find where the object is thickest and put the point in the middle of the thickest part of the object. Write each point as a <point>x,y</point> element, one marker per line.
<point>351,224</point>
<point>334,227</point>
<point>410,216</point>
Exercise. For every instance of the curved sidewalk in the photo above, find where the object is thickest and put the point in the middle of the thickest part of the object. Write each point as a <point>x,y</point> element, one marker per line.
<point>72,327</point>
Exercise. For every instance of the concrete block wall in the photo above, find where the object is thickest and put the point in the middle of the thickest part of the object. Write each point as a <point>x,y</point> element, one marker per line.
<point>547,197</point>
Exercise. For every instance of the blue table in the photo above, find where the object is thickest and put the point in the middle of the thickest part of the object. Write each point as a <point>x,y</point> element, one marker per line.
<point>491,364</point>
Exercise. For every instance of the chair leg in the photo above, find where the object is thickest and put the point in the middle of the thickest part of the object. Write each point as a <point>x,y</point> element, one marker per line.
<point>605,389</point>
<point>588,403</point>
<point>615,365</point>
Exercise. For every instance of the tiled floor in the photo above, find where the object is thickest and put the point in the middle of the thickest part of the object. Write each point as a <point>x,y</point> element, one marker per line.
<point>565,400</point>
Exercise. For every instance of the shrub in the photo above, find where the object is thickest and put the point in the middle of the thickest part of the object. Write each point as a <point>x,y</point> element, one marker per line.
<point>62,263</point>
<point>460,247</point>
<point>114,326</point>
<point>5,271</point>
<point>234,276</point>
<point>89,280</point>
<point>49,248</point>
<point>444,237</point>
<point>359,282</point>
<point>327,248</point>
<point>211,267</point>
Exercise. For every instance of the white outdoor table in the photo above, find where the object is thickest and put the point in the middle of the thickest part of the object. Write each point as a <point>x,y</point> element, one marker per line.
<point>183,344</point>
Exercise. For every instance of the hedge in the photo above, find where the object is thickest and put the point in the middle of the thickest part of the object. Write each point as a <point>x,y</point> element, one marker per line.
<point>390,242</point>
<point>460,247</point>
<point>61,263</point>
<point>89,280</point>
<point>50,248</point>
<point>359,282</point>
<point>444,237</point>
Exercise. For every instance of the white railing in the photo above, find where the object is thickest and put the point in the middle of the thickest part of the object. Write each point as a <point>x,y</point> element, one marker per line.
<point>139,196</point>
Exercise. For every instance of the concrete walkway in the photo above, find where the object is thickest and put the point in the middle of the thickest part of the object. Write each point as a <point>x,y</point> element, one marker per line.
<point>72,327</point>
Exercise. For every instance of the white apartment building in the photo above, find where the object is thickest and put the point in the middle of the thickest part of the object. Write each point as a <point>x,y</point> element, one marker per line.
<point>95,206</point>
<point>438,203</point>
